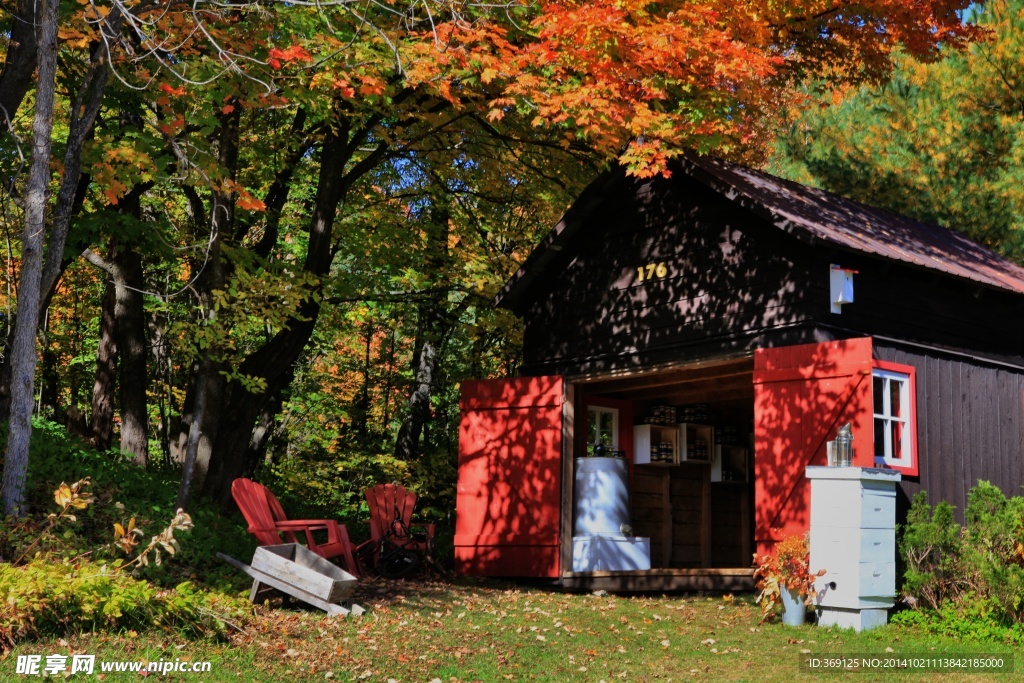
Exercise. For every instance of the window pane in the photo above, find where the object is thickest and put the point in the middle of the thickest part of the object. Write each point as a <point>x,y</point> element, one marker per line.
<point>897,431</point>
<point>895,397</point>
<point>893,410</point>
<point>879,438</point>
<point>600,428</point>
<point>592,429</point>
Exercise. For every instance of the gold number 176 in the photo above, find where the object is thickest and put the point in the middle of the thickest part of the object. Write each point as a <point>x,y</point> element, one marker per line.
<point>651,270</point>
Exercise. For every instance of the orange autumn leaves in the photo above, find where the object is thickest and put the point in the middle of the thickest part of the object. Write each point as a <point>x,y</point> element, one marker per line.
<point>670,75</point>
<point>294,53</point>
<point>632,79</point>
<point>663,79</point>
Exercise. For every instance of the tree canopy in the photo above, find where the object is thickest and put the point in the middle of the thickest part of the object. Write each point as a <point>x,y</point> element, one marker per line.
<point>246,199</point>
<point>941,141</point>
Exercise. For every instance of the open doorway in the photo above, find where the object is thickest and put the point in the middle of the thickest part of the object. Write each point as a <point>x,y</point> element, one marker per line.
<point>688,435</point>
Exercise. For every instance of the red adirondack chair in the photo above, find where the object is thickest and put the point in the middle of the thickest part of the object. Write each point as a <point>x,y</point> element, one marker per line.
<point>387,501</point>
<point>269,524</point>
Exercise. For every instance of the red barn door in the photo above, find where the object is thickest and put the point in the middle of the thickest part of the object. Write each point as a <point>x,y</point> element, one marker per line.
<point>802,395</point>
<point>509,496</point>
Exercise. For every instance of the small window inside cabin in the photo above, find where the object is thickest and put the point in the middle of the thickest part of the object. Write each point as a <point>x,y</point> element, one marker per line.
<point>894,425</point>
<point>602,428</point>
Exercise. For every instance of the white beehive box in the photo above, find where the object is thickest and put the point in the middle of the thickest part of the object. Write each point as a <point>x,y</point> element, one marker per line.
<point>614,553</point>
<point>853,502</point>
<point>853,538</point>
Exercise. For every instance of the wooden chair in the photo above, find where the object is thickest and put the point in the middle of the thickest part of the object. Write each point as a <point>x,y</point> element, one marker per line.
<point>388,501</point>
<point>269,524</point>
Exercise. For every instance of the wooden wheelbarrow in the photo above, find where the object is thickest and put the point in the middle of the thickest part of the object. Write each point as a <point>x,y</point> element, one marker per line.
<point>299,572</point>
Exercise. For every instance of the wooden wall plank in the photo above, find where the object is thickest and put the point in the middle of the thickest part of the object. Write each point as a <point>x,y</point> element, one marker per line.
<point>970,424</point>
<point>666,521</point>
<point>727,276</point>
<point>705,526</point>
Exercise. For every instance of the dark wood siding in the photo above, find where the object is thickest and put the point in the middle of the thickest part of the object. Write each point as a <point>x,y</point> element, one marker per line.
<point>731,525</point>
<point>669,506</point>
<point>901,302</point>
<point>731,276</point>
<point>970,424</point>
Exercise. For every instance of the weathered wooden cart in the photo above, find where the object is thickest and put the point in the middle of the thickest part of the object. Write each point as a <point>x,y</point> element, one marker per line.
<point>297,571</point>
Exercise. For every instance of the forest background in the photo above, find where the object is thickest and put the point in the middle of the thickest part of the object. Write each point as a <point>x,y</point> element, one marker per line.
<point>263,237</point>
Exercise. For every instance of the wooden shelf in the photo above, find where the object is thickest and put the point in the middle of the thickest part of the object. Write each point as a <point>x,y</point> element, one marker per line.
<point>646,438</point>
<point>697,443</point>
<point>731,465</point>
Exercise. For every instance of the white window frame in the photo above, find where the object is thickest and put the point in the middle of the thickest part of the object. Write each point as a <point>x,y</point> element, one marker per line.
<point>596,411</point>
<point>908,462</point>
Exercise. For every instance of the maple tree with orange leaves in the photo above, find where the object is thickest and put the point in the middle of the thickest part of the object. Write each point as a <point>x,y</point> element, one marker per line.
<point>245,124</point>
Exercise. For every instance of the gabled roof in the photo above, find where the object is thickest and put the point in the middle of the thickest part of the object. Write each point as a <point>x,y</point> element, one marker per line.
<point>810,215</point>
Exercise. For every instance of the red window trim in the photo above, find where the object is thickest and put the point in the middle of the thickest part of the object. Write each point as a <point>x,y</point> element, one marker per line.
<point>911,372</point>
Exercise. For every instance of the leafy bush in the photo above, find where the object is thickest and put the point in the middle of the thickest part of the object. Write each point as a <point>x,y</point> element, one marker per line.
<point>970,573</point>
<point>931,549</point>
<point>993,557</point>
<point>49,595</point>
<point>51,598</point>
<point>123,491</point>
<point>970,620</point>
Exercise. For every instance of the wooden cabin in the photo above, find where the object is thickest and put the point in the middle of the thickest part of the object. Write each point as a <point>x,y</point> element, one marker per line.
<point>765,314</point>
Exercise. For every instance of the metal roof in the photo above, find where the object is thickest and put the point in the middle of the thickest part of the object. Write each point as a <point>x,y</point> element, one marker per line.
<point>808,214</point>
<point>821,215</point>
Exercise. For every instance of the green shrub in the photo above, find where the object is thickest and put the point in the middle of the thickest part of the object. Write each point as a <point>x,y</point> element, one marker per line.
<point>930,546</point>
<point>992,563</point>
<point>53,587</point>
<point>53,598</point>
<point>123,491</point>
<point>971,619</point>
<point>972,574</point>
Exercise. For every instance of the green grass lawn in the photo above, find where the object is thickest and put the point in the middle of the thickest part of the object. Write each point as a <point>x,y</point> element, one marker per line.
<point>489,631</point>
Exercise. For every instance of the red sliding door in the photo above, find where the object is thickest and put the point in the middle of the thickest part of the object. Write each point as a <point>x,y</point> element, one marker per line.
<point>802,395</point>
<point>509,495</point>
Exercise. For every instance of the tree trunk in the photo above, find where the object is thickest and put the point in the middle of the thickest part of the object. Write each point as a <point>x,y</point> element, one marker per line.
<point>162,375</point>
<point>131,350</point>
<point>275,360</point>
<point>407,445</point>
<point>208,387</point>
<point>23,352</point>
<point>194,436</point>
<point>434,323</point>
<point>49,381</point>
<point>44,303</point>
<point>102,427</point>
<point>131,339</point>
<point>84,111</point>
<point>388,384</point>
<point>233,455</point>
<point>208,390</point>
<point>361,406</point>
<point>19,64</point>
<point>39,275</point>
<point>265,427</point>
<point>125,271</point>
